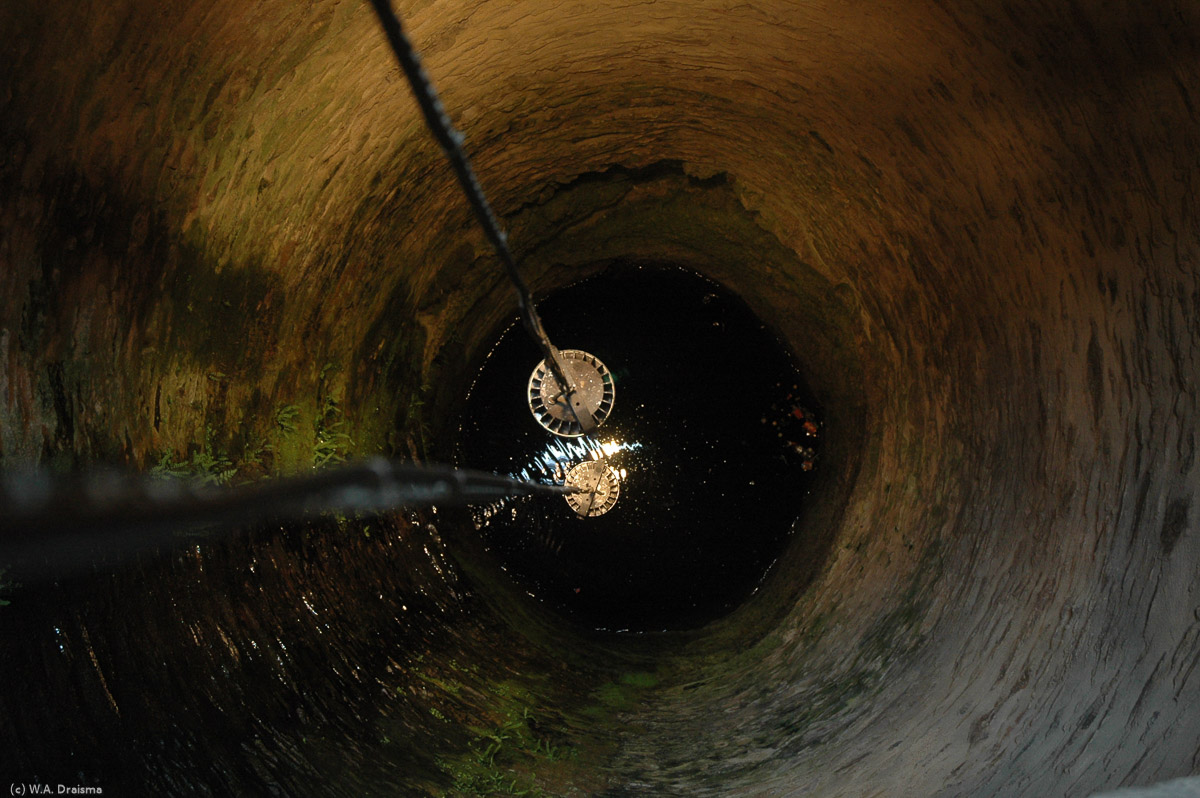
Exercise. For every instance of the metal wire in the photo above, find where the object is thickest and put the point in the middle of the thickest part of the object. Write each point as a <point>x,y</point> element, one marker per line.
<point>51,524</point>
<point>451,141</point>
<point>48,524</point>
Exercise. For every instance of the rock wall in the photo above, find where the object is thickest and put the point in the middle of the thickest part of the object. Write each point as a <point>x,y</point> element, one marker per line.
<point>975,224</point>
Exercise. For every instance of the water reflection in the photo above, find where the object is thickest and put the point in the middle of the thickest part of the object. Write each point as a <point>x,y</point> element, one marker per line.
<point>709,488</point>
<point>551,464</point>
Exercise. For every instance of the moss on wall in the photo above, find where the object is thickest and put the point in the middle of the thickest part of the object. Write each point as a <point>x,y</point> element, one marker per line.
<point>229,244</point>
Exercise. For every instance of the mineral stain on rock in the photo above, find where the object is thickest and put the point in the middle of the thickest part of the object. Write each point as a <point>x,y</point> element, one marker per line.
<point>1175,522</point>
<point>1095,375</point>
<point>226,237</point>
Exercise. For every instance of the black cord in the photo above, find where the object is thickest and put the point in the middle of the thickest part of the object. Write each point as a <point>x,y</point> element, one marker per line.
<point>451,141</point>
<point>50,525</point>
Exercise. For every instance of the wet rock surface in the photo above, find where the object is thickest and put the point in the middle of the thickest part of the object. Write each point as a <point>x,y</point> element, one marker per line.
<point>227,240</point>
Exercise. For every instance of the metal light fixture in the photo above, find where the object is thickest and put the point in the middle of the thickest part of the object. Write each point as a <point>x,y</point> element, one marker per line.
<point>563,412</point>
<point>597,487</point>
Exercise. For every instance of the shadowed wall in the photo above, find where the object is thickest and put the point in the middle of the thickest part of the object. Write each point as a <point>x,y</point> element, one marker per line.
<point>975,224</point>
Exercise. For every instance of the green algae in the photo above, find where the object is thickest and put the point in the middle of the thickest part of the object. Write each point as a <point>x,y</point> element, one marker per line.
<point>516,742</point>
<point>624,694</point>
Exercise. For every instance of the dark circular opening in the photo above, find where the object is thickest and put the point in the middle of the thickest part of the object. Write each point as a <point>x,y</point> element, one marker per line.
<point>713,434</point>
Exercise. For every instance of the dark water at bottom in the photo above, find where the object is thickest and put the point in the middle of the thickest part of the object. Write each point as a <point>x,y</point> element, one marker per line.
<point>704,433</point>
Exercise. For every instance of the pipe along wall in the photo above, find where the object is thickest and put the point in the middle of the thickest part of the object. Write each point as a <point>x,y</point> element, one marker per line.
<point>230,250</point>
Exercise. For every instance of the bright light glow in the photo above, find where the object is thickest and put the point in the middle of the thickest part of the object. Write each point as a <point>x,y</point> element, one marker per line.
<point>611,447</point>
<point>550,466</point>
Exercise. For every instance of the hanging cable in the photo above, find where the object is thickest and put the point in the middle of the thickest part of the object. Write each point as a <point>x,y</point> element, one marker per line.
<point>451,142</point>
<point>51,525</point>
<point>54,525</point>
